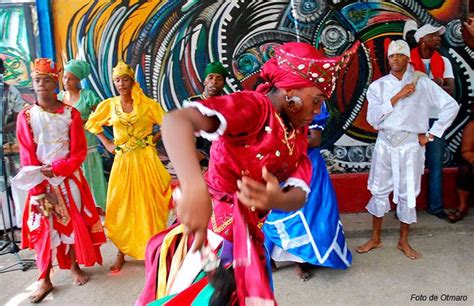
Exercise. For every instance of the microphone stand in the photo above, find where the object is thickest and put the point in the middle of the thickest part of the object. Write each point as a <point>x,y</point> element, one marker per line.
<point>8,245</point>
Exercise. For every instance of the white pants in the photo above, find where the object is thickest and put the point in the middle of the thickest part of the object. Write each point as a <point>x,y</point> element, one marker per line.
<point>397,165</point>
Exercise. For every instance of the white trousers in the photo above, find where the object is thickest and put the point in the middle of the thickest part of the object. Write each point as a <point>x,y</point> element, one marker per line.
<point>397,165</point>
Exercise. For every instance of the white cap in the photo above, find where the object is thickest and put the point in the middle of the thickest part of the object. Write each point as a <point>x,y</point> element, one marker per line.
<point>398,47</point>
<point>410,25</point>
<point>428,29</point>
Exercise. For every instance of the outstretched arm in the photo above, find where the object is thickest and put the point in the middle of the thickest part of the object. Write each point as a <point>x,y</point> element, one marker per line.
<point>194,206</point>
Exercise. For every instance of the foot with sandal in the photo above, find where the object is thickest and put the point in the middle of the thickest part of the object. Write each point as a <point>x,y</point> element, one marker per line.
<point>457,215</point>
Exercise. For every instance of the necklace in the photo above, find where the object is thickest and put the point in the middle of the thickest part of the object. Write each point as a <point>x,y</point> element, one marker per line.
<point>287,136</point>
<point>128,122</point>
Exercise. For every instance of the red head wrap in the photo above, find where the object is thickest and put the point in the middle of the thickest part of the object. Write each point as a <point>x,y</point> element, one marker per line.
<point>299,65</point>
<point>45,66</point>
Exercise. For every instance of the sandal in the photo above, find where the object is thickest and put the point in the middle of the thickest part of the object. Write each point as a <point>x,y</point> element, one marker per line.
<point>457,215</point>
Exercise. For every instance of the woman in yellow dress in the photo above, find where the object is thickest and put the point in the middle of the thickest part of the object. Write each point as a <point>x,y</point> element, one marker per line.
<point>139,189</point>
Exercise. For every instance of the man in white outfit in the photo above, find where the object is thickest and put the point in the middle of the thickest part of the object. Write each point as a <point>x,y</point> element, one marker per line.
<point>399,107</point>
<point>426,58</point>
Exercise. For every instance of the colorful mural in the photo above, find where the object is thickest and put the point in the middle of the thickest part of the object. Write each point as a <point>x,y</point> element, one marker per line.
<point>170,42</point>
<point>18,44</point>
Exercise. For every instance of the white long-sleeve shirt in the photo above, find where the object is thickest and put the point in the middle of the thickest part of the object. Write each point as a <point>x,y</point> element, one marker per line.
<point>410,114</point>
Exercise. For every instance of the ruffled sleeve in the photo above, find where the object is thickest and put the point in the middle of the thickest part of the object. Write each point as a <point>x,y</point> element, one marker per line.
<point>92,100</point>
<point>320,120</point>
<point>77,148</point>
<point>240,113</point>
<point>156,112</point>
<point>301,177</point>
<point>28,148</point>
<point>100,117</point>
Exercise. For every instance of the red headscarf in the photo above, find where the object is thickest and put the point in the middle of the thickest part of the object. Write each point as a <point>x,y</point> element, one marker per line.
<point>299,65</point>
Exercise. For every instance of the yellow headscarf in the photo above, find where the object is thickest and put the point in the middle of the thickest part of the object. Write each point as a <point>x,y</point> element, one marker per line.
<point>123,69</point>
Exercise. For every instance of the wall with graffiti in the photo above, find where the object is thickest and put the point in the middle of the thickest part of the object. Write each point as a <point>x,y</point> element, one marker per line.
<point>18,44</point>
<point>170,42</point>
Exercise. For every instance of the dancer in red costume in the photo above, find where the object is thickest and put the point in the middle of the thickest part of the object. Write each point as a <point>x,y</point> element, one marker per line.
<point>258,162</point>
<point>60,216</point>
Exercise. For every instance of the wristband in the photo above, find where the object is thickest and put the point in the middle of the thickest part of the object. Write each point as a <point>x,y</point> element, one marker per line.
<point>429,137</point>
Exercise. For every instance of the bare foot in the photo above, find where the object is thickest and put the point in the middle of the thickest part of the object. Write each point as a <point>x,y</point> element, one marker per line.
<point>78,276</point>
<point>371,244</point>
<point>43,290</point>
<point>408,251</point>
<point>302,272</point>
<point>118,264</point>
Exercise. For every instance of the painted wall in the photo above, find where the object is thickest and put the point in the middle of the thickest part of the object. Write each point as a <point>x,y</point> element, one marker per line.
<point>18,44</point>
<point>170,42</point>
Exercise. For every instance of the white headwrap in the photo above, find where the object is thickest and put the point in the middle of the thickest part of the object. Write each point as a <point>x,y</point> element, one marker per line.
<point>398,47</point>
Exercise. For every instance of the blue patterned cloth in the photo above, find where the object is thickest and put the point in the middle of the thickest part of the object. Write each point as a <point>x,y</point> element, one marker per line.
<point>314,233</point>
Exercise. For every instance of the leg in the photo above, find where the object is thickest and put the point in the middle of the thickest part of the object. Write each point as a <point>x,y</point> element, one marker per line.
<point>463,200</point>
<point>403,242</point>
<point>77,274</point>
<point>119,262</point>
<point>380,185</point>
<point>376,240</point>
<point>434,161</point>
<point>464,186</point>
<point>44,288</point>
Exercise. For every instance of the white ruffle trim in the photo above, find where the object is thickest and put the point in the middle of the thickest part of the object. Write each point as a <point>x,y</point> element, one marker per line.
<point>209,113</point>
<point>296,182</point>
<point>316,127</point>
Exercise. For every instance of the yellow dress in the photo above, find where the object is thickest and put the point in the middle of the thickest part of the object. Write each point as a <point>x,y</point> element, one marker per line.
<point>139,189</point>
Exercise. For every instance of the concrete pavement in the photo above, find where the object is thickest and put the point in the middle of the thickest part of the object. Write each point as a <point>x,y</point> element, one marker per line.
<point>382,277</point>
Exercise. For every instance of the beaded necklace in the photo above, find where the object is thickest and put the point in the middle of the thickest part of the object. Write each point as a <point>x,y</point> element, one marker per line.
<point>287,136</point>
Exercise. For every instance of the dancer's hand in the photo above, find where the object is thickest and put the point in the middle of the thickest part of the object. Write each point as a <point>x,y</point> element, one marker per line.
<point>407,90</point>
<point>257,195</point>
<point>194,209</point>
<point>423,139</point>
<point>47,170</point>
<point>110,146</point>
